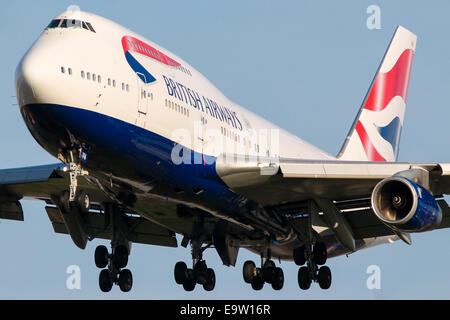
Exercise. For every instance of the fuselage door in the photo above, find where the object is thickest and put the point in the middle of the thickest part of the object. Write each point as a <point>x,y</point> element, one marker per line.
<point>142,94</point>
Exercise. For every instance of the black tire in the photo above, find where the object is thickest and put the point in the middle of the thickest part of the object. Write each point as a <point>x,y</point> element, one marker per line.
<point>269,263</point>
<point>320,253</point>
<point>258,282</point>
<point>324,277</point>
<point>101,257</point>
<point>189,283</point>
<point>83,201</point>
<point>248,271</point>
<point>200,270</point>
<point>267,273</point>
<point>104,280</point>
<point>277,279</point>
<point>304,281</point>
<point>120,257</point>
<point>180,272</point>
<point>64,204</point>
<point>299,255</point>
<point>125,280</point>
<point>210,280</point>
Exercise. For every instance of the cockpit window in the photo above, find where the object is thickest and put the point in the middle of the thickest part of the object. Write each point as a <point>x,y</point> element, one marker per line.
<point>54,23</point>
<point>70,23</point>
<point>90,26</point>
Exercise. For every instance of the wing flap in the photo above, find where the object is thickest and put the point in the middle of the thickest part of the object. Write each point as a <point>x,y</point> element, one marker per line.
<point>141,230</point>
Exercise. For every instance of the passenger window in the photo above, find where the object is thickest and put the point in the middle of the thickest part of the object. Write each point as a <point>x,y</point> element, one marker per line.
<point>99,79</point>
<point>82,74</point>
<point>89,76</point>
<point>109,81</point>
<point>94,77</point>
<point>114,83</point>
<point>63,70</point>
<point>70,71</point>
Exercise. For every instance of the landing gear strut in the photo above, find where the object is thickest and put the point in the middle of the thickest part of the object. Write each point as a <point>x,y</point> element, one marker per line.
<point>73,196</point>
<point>199,274</point>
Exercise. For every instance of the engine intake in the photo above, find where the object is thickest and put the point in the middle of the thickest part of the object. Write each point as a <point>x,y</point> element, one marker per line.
<point>405,205</point>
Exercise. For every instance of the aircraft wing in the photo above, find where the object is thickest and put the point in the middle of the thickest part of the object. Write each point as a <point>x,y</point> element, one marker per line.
<point>272,182</point>
<point>285,186</point>
<point>47,181</point>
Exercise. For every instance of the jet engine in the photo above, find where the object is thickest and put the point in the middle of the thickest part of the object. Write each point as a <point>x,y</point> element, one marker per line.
<point>405,205</point>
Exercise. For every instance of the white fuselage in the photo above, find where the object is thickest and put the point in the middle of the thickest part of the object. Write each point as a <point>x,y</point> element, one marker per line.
<point>118,92</point>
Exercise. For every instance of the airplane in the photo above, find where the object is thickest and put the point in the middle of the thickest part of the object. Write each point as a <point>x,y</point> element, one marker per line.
<point>149,149</point>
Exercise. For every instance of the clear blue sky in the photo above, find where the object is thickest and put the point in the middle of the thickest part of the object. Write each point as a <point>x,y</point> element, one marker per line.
<point>305,65</point>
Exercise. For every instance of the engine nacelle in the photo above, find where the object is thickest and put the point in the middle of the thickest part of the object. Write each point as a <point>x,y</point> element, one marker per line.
<point>405,205</point>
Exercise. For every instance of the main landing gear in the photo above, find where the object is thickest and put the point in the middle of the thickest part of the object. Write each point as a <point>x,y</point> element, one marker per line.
<point>114,273</point>
<point>113,264</point>
<point>267,273</point>
<point>199,274</point>
<point>313,256</point>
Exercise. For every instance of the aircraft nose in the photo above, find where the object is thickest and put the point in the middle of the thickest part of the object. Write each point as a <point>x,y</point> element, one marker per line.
<point>30,76</point>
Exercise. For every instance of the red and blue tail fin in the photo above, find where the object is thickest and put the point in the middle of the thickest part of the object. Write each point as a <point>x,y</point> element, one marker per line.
<point>375,134</point>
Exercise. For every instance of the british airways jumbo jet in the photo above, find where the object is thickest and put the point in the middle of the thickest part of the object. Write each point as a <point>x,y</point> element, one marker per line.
<point>149,148</point>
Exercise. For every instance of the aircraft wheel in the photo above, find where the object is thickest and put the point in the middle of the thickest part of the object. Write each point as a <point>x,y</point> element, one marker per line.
<point>248,271</point>
<point>64,204</point>
<point>304,280</point>
<point>105,280</point>
<point>320,253</point>
<point>101,257</point>
<point>324,277</point>
<point>299,255</point>
<point>125,280</point>
<point>258,280</point>
<point>180,272</point>
<point>83,201</point>
<point>120,257</point>
<point>277,279</point>
<point>210,280</point>
<point>268,270</point>
<point>189,283</point>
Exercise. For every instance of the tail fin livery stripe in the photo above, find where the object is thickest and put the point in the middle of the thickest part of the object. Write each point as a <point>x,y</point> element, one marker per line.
<point>375,133</point>
<point>391,84</point>
<point>369,148</point>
